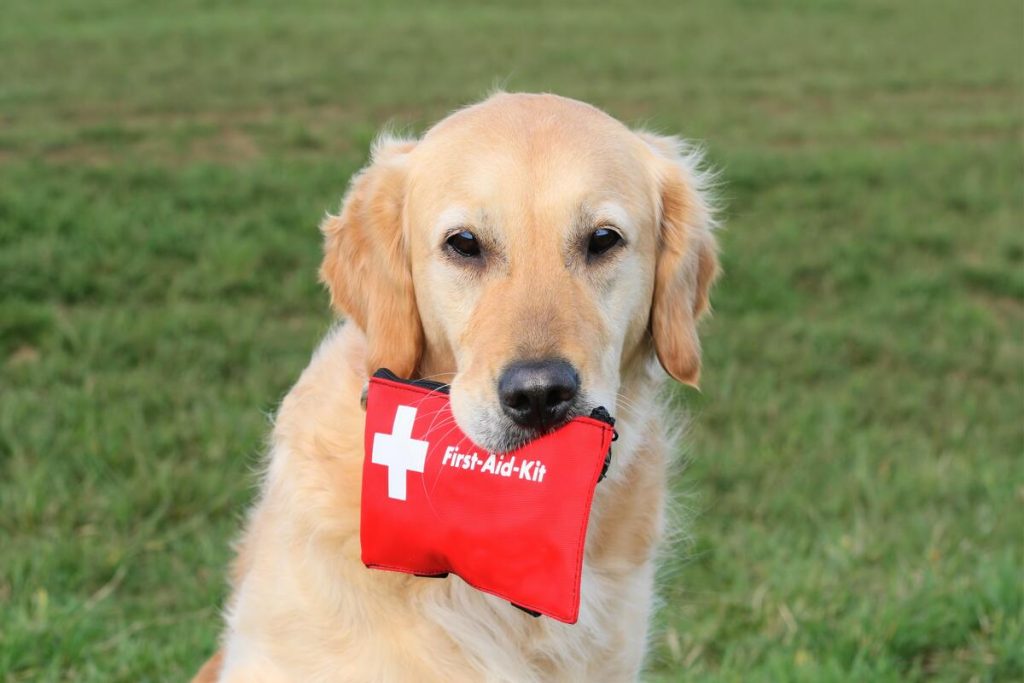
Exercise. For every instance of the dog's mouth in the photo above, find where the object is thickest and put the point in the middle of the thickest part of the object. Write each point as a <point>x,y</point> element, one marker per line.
<point>525,400</point>
<point>513,436</point>
<point>492,430</point>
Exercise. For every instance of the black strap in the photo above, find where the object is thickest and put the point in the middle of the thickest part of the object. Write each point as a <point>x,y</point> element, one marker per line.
<point>528,611</point>
<point>601,413</point>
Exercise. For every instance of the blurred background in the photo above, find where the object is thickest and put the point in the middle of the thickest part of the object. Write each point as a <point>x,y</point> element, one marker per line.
<point>854,493</point>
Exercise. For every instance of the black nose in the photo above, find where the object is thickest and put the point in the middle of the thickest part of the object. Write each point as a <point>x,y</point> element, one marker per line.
<point>538,393</point>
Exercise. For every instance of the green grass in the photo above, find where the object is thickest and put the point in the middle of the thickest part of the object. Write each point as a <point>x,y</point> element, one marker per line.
<point>855,488</point>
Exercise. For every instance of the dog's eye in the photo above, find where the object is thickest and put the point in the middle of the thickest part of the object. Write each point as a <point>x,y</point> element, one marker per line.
<point>602,240</point>
<point>464,243</point>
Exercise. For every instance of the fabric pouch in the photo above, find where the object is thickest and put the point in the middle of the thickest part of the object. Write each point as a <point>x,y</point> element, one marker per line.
<point>509,524</point>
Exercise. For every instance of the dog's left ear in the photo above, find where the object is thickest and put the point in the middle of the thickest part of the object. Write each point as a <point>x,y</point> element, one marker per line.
<point>687,261</point>
<point>366,262</point>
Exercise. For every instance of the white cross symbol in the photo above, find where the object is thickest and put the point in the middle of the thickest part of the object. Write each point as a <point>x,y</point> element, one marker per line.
<point>399,452</point>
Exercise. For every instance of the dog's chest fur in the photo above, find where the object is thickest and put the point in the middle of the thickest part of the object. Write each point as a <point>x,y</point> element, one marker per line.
<point>305,608</point>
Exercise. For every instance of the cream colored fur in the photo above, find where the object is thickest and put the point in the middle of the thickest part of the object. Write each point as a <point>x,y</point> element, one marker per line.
<point>517,168</point>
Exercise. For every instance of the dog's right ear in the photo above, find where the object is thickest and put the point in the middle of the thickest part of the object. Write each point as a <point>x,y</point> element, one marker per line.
<point>366,263</point>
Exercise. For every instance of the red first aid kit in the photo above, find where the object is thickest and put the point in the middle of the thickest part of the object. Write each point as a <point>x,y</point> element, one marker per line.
<point>510,524</point>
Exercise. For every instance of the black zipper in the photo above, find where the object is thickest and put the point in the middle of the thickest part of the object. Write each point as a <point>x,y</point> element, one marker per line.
<point>440,387</point>
<point>601,413</point>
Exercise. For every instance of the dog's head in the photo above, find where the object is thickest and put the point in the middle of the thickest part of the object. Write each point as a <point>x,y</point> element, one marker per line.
<point>531,250</point>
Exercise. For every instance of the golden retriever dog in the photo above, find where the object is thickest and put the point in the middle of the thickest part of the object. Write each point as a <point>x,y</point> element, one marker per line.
<point>543,259</point>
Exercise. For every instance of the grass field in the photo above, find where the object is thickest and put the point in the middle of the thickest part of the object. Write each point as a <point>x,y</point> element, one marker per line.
<point>855,490</point>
